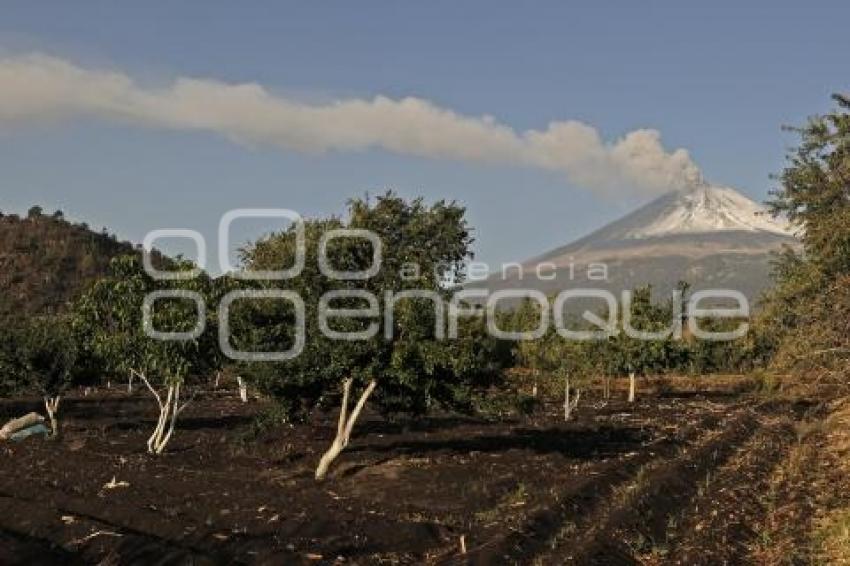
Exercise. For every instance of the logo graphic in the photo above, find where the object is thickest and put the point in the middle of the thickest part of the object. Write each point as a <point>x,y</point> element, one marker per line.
<point>464,302</point>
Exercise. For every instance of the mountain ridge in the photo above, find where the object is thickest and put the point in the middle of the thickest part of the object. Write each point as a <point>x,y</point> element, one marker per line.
<point>46,261</point>
<point>709,236</point>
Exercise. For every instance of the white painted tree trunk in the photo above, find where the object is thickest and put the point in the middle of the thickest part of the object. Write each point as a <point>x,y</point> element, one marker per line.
<point>243,388</point>
<point>175,410</point>
<point>606,387</point>
<point>130,383</point>
<point>51,404</point>
<point>155,439</point>
<point>169,409</point>
<point>217,379</point>
<point>570,403</point>
<point>344,426</point>
<point>632,387</point>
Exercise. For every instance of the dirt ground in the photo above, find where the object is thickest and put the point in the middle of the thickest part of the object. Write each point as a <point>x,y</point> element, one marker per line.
<point>683,476</point>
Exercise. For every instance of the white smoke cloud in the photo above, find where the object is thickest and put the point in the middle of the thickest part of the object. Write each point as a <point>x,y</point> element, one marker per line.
<point>40,88</point>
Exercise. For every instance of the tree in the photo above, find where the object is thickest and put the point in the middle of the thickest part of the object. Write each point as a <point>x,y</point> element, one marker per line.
<point>657,352</point>
<point>401,363</point>
<point>803,322</point>
<point>575,364</point>
<point>109,317</point>
<point>571,362</point>
<point>815,191</point>
<point>531,354</point>
<point>48,354</point>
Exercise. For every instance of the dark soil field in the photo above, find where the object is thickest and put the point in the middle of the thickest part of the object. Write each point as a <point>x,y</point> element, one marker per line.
<point>680,477</point>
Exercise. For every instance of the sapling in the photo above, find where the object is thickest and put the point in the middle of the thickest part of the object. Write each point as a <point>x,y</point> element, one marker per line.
<point>49,352</point>
<point>169,409</point>
<point>117,327</point>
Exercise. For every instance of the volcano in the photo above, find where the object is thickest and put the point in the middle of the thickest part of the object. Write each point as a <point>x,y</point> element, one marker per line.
<point>710,236</point>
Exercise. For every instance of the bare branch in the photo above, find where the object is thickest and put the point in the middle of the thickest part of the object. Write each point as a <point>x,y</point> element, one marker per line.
<point>186,404</point>
<point>150,387</point>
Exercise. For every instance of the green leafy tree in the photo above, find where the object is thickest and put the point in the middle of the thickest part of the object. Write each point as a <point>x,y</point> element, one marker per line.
<point>658,352</point>
<point>815,192</point>
<point>109,318</point>
<point>803,322</point>
<point>569,362</point>
<point>530,354</point>
<point>401,363</point>
<point>576,365</point>
<point>47,355</point>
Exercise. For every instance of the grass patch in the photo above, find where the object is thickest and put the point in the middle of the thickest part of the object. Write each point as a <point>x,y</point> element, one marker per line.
<point>832,538</point>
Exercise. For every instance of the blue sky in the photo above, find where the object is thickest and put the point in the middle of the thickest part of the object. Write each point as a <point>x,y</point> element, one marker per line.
<point>717,79</point>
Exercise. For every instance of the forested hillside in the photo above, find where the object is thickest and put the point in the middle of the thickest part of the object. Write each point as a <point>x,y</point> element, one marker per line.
<point>46,260</point>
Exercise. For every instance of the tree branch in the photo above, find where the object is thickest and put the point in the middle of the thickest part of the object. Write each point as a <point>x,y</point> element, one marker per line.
<point>357,408</point>
<point>343,410</point>
<point>150,387</point>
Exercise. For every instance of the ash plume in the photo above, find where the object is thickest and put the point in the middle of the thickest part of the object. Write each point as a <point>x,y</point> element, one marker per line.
<point>37,88</point>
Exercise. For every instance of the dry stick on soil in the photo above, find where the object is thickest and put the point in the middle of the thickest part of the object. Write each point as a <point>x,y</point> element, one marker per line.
<point>95,534</point>
<point>168,409</point>
<point>51,404</point>
<point>344,426</point>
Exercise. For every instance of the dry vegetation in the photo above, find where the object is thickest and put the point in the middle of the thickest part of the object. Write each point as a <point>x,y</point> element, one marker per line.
<point>807,499</point>
<point>45,261</point>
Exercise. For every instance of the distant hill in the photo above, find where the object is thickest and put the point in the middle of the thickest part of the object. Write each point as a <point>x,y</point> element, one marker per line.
<point>712,237</point>
<point>45,261</point>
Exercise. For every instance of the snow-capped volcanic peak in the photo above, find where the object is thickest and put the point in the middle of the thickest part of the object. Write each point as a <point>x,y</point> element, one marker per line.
<point>704,209</point>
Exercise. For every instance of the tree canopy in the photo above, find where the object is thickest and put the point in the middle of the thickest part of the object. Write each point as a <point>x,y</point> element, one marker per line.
<point>803,322</point>
<point>423,250</point>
